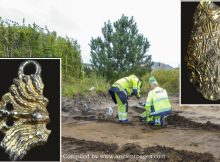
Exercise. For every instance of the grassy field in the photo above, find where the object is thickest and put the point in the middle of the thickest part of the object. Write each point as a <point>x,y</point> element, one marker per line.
<point>85,86</point>
<point>168,79</point>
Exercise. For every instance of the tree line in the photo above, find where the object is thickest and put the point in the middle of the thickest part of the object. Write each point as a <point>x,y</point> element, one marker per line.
<point>120,51</point>
<point>21,40</point>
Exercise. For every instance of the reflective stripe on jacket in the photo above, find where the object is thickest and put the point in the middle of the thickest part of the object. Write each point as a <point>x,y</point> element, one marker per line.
<point>157,102</point>
<point>128,85</point>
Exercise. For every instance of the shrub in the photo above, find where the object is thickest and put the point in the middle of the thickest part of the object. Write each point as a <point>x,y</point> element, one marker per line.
<point>167,79</point>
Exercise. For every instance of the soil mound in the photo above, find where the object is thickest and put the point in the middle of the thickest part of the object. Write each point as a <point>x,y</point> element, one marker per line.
<point>82,146</point>
<point>180,121</point>
<point>73,145</point>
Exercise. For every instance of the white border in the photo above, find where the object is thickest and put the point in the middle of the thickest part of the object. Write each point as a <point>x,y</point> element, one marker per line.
<point>180,103</point>
<point>45,58</point>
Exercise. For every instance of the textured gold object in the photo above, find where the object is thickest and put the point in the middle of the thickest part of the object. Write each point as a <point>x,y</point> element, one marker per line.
<point>29,114</point>
<point>203,52</point>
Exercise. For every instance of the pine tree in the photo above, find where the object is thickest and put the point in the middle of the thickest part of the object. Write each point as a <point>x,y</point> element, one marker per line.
<point>121,51</point>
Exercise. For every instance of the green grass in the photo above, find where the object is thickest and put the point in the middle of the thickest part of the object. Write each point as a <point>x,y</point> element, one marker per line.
<point>83,86</point>
<point>168,79</point>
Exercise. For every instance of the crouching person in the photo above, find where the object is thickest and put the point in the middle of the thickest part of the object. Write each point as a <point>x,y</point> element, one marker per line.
<point>121,90</point>
<point>157,105</point>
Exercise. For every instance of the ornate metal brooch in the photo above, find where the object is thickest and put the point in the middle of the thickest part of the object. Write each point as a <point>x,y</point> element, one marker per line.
<point>23,113</point>
<point>203,53</point>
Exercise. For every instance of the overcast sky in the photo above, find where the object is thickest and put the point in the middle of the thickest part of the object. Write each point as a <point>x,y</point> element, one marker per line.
<point>158,20</point>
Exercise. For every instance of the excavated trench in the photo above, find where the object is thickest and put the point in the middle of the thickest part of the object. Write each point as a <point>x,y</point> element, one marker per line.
<point>75,107</point>
<point>180,121</point>
<point>174,120</point>
<point>80,128</point>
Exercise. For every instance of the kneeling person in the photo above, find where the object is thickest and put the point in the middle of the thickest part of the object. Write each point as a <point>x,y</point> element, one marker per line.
<point>157,105</point>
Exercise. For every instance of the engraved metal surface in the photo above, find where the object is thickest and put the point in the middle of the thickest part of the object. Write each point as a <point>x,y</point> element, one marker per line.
<point>24,124</point>
<point>203,52</point>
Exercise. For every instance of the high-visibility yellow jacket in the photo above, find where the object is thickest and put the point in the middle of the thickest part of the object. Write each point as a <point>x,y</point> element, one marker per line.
<point>129,85</point>
<point>157,103</point>
<point>124,87</point>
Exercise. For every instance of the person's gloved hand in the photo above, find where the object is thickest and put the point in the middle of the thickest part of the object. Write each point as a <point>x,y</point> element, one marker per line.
<point>138,96</point>
<point>141,103</point>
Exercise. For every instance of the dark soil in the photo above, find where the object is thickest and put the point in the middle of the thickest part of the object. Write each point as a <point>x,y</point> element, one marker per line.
<point>180,155</point>
<point>173,120</point>
<point>76,146</point>
<point>83,146</point>
<point>180,121</point>
<point>137,109</point>
<point>77,105</point>
<point>100,119</point>
<point>73,109</point>
<point>131,149</point>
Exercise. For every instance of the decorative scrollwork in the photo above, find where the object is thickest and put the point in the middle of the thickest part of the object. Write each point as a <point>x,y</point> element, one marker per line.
<point>203,52</point>
<point>28,115</point>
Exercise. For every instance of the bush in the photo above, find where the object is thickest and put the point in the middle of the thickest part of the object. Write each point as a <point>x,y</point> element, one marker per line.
<point>167,79</point>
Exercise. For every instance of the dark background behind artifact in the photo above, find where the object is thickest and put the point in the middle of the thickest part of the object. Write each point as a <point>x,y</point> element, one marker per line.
<point>50,73</point>
<point>189,94</point>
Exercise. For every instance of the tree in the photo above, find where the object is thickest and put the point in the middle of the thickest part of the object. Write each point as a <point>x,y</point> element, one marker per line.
<point>34,41</point>
<point>121,51</point>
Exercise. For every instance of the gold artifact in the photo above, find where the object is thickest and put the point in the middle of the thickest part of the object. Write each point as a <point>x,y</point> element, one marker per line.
<point>203,52</point>
<point>24,124</point>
